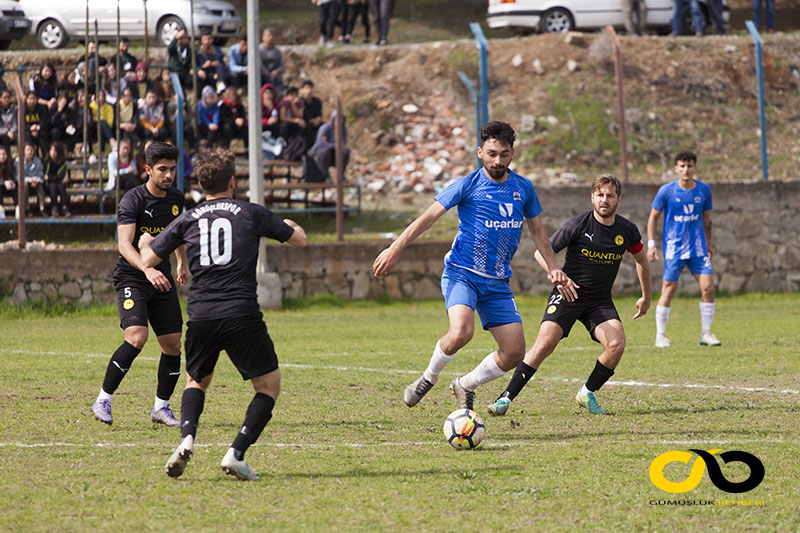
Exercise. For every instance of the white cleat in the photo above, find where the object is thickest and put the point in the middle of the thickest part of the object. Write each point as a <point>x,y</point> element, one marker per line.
<point>709,339</point>
<point>662,341</point>
<point>240,469</point>
<point>182,455</point>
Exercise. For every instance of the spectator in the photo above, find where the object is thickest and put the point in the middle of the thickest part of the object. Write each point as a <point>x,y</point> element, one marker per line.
<point>324,149</point>
<point>55,173</point>
<point>677,17</point>
<point>208,117</point>
<point>60,119</point>
<point>129,116</point>
<point>233,118</point>
<point>44,85</point>
<point>103,113</point>
<point>141,161</point>
<point>122,165</point>
<point>78,112</point>
<point>770,5</point>
<point>270,116</point>
<point>180,60</point>
<point>171,116</point>
<point>3,85</point>
<point>8,180</point>
<point>237,64</point>
<point>139,82</point>
<point>312,111</point>
<point>382,12</point>
<point>328,9</point>
<point>34,176</point>
<point>108,83</point>
<point>91,63</point>
<point>70,85</point>
<point>272,66</point>
<point>357,8</point>
<point>37,122</point>
<point>8,120</point>
<point>151,117</point>
<point>715,13</point>
<point>292,126</point>
<point>635,13</point>
<point>127,61</point>
<point>211,69</point>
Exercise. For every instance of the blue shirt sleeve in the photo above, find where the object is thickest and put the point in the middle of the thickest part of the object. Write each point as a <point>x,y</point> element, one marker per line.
<point>452,195</point>
<point>707,202</point>
<point>533,208</point>
<point>660,201</point>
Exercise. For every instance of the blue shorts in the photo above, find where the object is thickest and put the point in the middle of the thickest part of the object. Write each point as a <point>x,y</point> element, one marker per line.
<point>697,265</point>
<point>491,298</point>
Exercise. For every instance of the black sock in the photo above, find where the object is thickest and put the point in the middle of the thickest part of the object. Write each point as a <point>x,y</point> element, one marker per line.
<point>191,409</point>
<point>258,414</point>
<point>599,376</point>
<point>521,376</point>
<point>169,370</point>
<point>118,366</point>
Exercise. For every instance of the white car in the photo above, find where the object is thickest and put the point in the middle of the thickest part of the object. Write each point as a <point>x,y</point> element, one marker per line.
<point>55,22</point>
<point>556,16</point>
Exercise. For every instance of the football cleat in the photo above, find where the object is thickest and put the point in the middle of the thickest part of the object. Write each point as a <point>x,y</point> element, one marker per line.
<point>240,469</point>
<point>164,416</point>
<point>465,397</point>
<point>101,409</point>
<point>589,402</point>
<point>663,342</point>
<point>709,339</point>
<point>182,455</point>
<point>499,407</point>
<point>414,392</point>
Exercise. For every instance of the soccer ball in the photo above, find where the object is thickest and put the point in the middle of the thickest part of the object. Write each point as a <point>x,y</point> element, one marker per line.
<point>464,429</point>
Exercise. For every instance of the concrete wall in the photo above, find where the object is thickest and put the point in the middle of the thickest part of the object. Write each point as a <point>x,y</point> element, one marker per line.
<point>755,240</point>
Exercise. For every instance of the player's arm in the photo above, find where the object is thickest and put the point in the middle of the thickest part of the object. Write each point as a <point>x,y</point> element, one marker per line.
<point>126,234</point>
<point>387,259</point>
<point>643,271</point>
<point>707,230</point>
<point>182,264</point>
<point>546,258</point>
<point>298,238</point>
<point>652,250</point>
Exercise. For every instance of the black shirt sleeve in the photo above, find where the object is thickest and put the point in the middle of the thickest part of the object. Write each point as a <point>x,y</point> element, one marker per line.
<point>128,212</point>
<point>169,239</point>
<point>561,238</point>
<point>268,224</point>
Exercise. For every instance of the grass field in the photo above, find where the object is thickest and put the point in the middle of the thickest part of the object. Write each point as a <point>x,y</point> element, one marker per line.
<point>344,453</point>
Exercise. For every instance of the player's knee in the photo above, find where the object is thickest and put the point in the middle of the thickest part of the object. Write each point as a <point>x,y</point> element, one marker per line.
<point>137,339</point>
<point>615,347</point>
<point>461,335</point>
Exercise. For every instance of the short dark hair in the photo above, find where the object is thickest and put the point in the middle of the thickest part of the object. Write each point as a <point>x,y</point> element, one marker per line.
<point>291,89</point>
<point>159,151</point>
<point>605,179</point>
<point>502,131</point>
<point>686,155</point>
<point>308,83</point>
<point>215,170</point>
<point>124,40</point>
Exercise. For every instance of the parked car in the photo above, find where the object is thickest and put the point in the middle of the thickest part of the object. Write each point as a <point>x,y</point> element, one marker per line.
<point>55,22</point>
<point>13,23</point>
<point>556,16</point>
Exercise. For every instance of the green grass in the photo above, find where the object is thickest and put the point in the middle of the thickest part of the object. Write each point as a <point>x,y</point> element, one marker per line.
<point>343,452</point>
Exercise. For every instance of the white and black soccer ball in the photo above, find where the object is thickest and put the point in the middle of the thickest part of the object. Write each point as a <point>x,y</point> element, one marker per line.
<point>464,429</point>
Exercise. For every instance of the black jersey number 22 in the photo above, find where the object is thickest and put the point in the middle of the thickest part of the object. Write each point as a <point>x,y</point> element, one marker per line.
<point>216,242</point>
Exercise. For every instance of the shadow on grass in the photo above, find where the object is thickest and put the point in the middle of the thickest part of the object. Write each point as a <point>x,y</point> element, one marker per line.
<point>373,473</point>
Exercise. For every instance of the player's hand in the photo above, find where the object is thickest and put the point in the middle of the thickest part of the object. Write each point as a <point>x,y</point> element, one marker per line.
<point>652,254</point>
<point>710,253</point>
<point>642,305</point>
<point>157,278</point>
<point>183,274</point>
<point>566,287</point>
<point>384,263</point>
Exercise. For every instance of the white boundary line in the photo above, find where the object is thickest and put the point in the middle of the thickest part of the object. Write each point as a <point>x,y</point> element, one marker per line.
<point>629,383</point>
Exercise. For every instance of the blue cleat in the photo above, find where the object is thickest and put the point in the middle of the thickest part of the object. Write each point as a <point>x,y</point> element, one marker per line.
<point>589,402</point>
<point>499,407</point>
<point>240,469</point>
<point>164,416</point>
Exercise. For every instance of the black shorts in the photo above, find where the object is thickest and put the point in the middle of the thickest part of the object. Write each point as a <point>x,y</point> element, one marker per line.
<point>591,311</point>
<point>138,302</point>
<point>245,338</point>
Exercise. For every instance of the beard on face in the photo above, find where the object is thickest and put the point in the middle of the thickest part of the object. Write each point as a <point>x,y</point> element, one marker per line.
<point>497,172</point>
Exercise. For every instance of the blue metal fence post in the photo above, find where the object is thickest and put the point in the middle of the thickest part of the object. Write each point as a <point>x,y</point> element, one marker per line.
<point>471,86</point>
<point>484,70</point>
<point>762,120</point>
<point>176,85</point>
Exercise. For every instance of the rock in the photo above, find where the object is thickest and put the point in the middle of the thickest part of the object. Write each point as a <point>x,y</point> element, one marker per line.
<point>527,123</point>
<point>575,38</point>
<point>729,48</point>
<point>18,297</point>
<point>516,61</point>
<point>537,67</point>
<point>553,121</point>
<point>70,290</point>
<point>410,109</point>
<point>572,65</point>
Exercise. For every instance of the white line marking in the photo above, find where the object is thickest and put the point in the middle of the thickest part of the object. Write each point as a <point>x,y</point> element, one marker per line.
<point>630,383</point>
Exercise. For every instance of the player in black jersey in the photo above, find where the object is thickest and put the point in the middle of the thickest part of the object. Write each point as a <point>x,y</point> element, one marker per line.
<point>595,241</point>
<point>222,236</point>
<point>147,292</point>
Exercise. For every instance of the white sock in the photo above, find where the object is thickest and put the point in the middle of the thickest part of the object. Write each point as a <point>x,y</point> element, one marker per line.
<point>438,361</point>
<point>584,390</point>
<point>160,404</point>
<point>486,371</point>
<point>706,316</point>
<point>104,395</point>
<point>662,317</point>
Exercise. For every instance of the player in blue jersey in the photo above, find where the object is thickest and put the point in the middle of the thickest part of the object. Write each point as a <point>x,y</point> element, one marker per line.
<point>686,240</point>
<point>493,204</point>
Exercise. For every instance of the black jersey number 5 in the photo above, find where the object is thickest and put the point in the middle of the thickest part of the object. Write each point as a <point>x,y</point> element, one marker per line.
<point>216,243</point>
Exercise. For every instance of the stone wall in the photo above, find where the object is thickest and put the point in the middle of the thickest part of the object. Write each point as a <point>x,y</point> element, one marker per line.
<point>755,242</point>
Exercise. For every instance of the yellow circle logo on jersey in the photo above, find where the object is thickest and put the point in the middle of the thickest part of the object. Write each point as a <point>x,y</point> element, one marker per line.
<point>618,240</point>
<point>551,309</point>
<point>128,304</point>
<point>175,210</point>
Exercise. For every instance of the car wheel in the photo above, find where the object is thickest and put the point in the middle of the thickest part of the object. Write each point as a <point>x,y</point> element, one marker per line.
<point>52,34</point>
<point>168,28</point>
<point>557,20</point>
